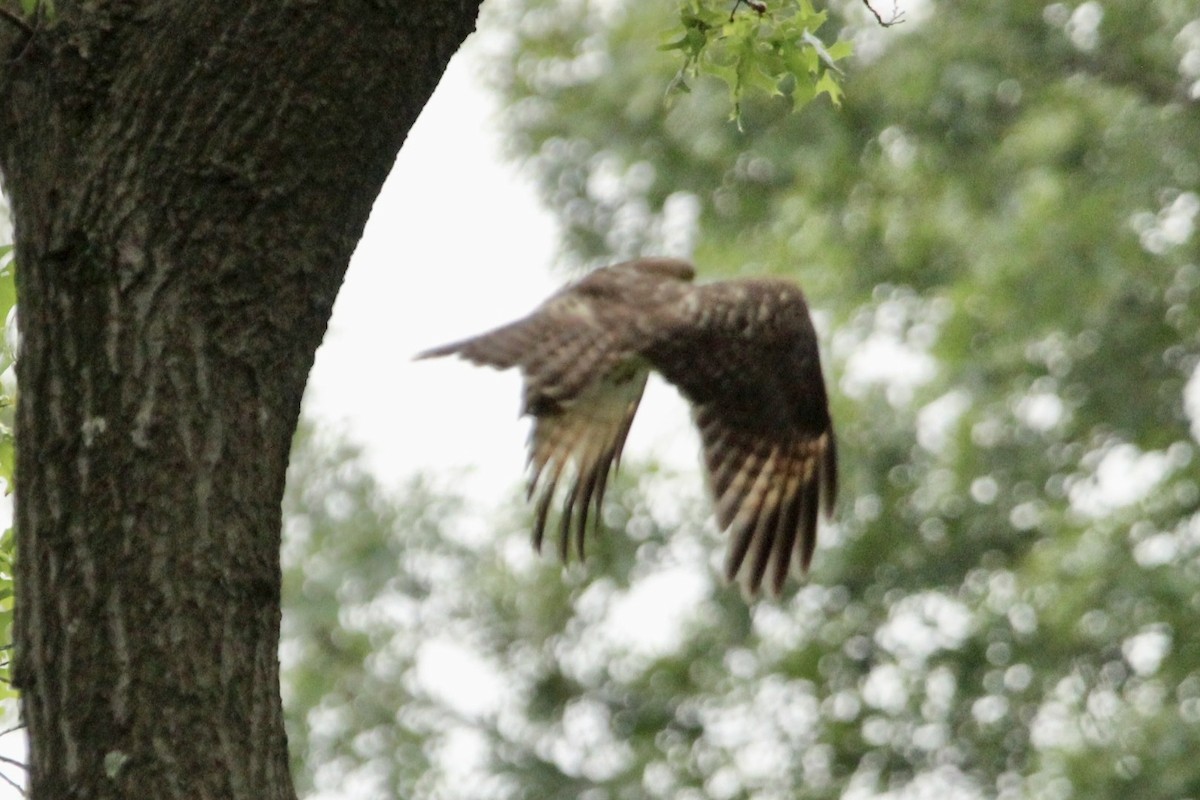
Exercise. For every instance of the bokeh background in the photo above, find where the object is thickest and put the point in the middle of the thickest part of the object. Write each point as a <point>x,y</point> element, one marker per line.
<point>997,232</point>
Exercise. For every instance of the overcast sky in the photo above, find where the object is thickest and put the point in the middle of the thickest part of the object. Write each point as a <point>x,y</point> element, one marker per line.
<point>457,244</point>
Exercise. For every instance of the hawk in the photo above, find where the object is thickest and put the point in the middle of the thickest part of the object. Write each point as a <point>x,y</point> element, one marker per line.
<point>743,353</point>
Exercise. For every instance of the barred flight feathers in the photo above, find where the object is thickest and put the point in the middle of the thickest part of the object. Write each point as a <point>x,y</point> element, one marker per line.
<point>744,354</point>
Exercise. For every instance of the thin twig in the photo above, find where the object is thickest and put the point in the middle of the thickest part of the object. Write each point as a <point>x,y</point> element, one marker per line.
<point>15,20</point>
<point>897,15</point>
<point>13,729</point>
<point>14,762</point>
<point>756,5</point>
<point>12,783</point>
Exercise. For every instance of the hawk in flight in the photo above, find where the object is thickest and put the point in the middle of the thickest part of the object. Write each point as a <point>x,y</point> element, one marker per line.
<point>744,354</point>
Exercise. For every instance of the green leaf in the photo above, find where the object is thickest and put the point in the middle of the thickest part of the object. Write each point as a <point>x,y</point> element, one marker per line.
<point>802,94</point>
<point>7,461</point>
<point>8,287</point>
<point>828,84</point>
<point>802,63</point>
<point>839,50</point>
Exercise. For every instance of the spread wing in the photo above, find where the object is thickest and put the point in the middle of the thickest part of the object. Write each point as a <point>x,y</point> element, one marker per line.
<point>582,388</point>
<point>583,383</point>
<point>582,440</point>
<point>560,349</point>
<point>745,355</point>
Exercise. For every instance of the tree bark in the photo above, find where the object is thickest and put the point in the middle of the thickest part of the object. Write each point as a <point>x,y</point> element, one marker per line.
<point>188,180</point>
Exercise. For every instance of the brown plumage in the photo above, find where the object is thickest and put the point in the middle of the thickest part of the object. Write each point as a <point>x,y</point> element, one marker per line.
<point>743,352</point>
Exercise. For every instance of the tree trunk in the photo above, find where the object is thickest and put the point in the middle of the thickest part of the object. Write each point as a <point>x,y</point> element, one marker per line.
<point>188,180</point>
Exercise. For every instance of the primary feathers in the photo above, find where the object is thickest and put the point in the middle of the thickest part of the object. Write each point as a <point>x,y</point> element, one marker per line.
<point>744,354</point>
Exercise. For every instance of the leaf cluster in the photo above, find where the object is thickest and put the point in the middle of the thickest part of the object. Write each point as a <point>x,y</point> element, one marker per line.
<point>768,49</point>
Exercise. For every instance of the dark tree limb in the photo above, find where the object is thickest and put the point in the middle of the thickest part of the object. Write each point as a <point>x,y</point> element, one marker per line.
<point>13,19</point>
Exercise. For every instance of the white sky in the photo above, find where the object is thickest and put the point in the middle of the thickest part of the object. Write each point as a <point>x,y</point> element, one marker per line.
<point>457,244</point>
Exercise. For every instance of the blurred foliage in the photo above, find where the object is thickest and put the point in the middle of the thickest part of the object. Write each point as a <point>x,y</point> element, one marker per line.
<point>347,594</point>
<point>420,643</point>
<point>997,230</point>
<point>8,301</point>
<point>32,8</point>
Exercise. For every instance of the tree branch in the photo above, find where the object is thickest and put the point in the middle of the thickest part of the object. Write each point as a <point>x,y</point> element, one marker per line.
<point>12,783</point>
<point>13,729</point>
<point>896,18</point>
<point>15,20</point>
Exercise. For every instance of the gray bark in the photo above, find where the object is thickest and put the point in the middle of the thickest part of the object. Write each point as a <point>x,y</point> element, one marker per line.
<point>188,180</point>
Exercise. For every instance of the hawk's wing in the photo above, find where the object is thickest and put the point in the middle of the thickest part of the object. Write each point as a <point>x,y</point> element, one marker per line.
<point>582,439</point>
<point>745,355</point>
<point>583,382</point>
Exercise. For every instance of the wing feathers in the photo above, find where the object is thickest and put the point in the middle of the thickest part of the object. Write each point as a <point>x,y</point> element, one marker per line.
<point>583,438</point>
<point>789,522</point>
<point>811,504</point>
<point>766,506</point>
<point>768,502</point>
<point>543,503</point>
<point>744,353</point>
<point>501,348</point>
<point>560,350</point>
<point>829,473</point>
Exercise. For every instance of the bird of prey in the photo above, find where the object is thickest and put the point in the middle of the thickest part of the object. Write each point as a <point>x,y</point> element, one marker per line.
<point>743,353</point>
